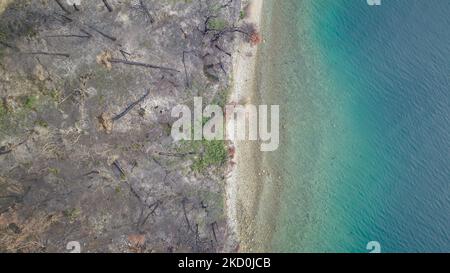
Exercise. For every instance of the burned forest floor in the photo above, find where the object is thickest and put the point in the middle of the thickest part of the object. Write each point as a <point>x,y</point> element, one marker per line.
<point>86,154</point>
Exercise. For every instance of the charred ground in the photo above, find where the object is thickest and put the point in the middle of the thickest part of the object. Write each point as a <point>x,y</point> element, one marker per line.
<point>85,148</point>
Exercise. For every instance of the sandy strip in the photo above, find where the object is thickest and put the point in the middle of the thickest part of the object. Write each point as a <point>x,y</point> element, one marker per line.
<point>239,182</point>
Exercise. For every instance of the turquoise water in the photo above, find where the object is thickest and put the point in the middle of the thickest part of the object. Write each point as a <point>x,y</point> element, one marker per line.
<point>365,97</point>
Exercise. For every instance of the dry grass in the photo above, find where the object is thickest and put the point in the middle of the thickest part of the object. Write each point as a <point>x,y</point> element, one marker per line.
<point>18,235</point>
<point>104,59</point>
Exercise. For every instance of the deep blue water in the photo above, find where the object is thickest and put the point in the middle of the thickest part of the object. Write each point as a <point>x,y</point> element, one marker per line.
<point>387,169</point>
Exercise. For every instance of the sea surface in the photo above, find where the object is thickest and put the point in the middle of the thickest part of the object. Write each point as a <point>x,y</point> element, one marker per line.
<point>364,93</point>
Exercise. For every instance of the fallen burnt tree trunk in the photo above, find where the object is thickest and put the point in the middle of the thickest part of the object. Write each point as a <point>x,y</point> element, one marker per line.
<point>119,61</point>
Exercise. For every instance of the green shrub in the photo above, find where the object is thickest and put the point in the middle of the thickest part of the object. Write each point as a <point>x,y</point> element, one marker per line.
<point>214,154</point>
<point>2,110</point>
<point>30,102</point>
<point>242,15</point>
<point>217,24</point>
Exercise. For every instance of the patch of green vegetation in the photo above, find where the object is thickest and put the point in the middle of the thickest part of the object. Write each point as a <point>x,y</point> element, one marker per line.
<point>72,214</point>
<point>167,128</point>
<point>55,95</point>
<point>54,171</point>
<point>221,98</point>
<point>123,177</point>
<point>30,31</point>
<point>15,114</point>
<point>242,15</point>
<point>3,114</point>
<point>205,120</point>
<point>136,147</point>
<point>214,153</point>
<point>101,100</point>
<point>209,152</point>
<point>30,102</point>
<point>217,24</point>
<point>2,110</point>
<point>42,123</point>
<point>13,119</point>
